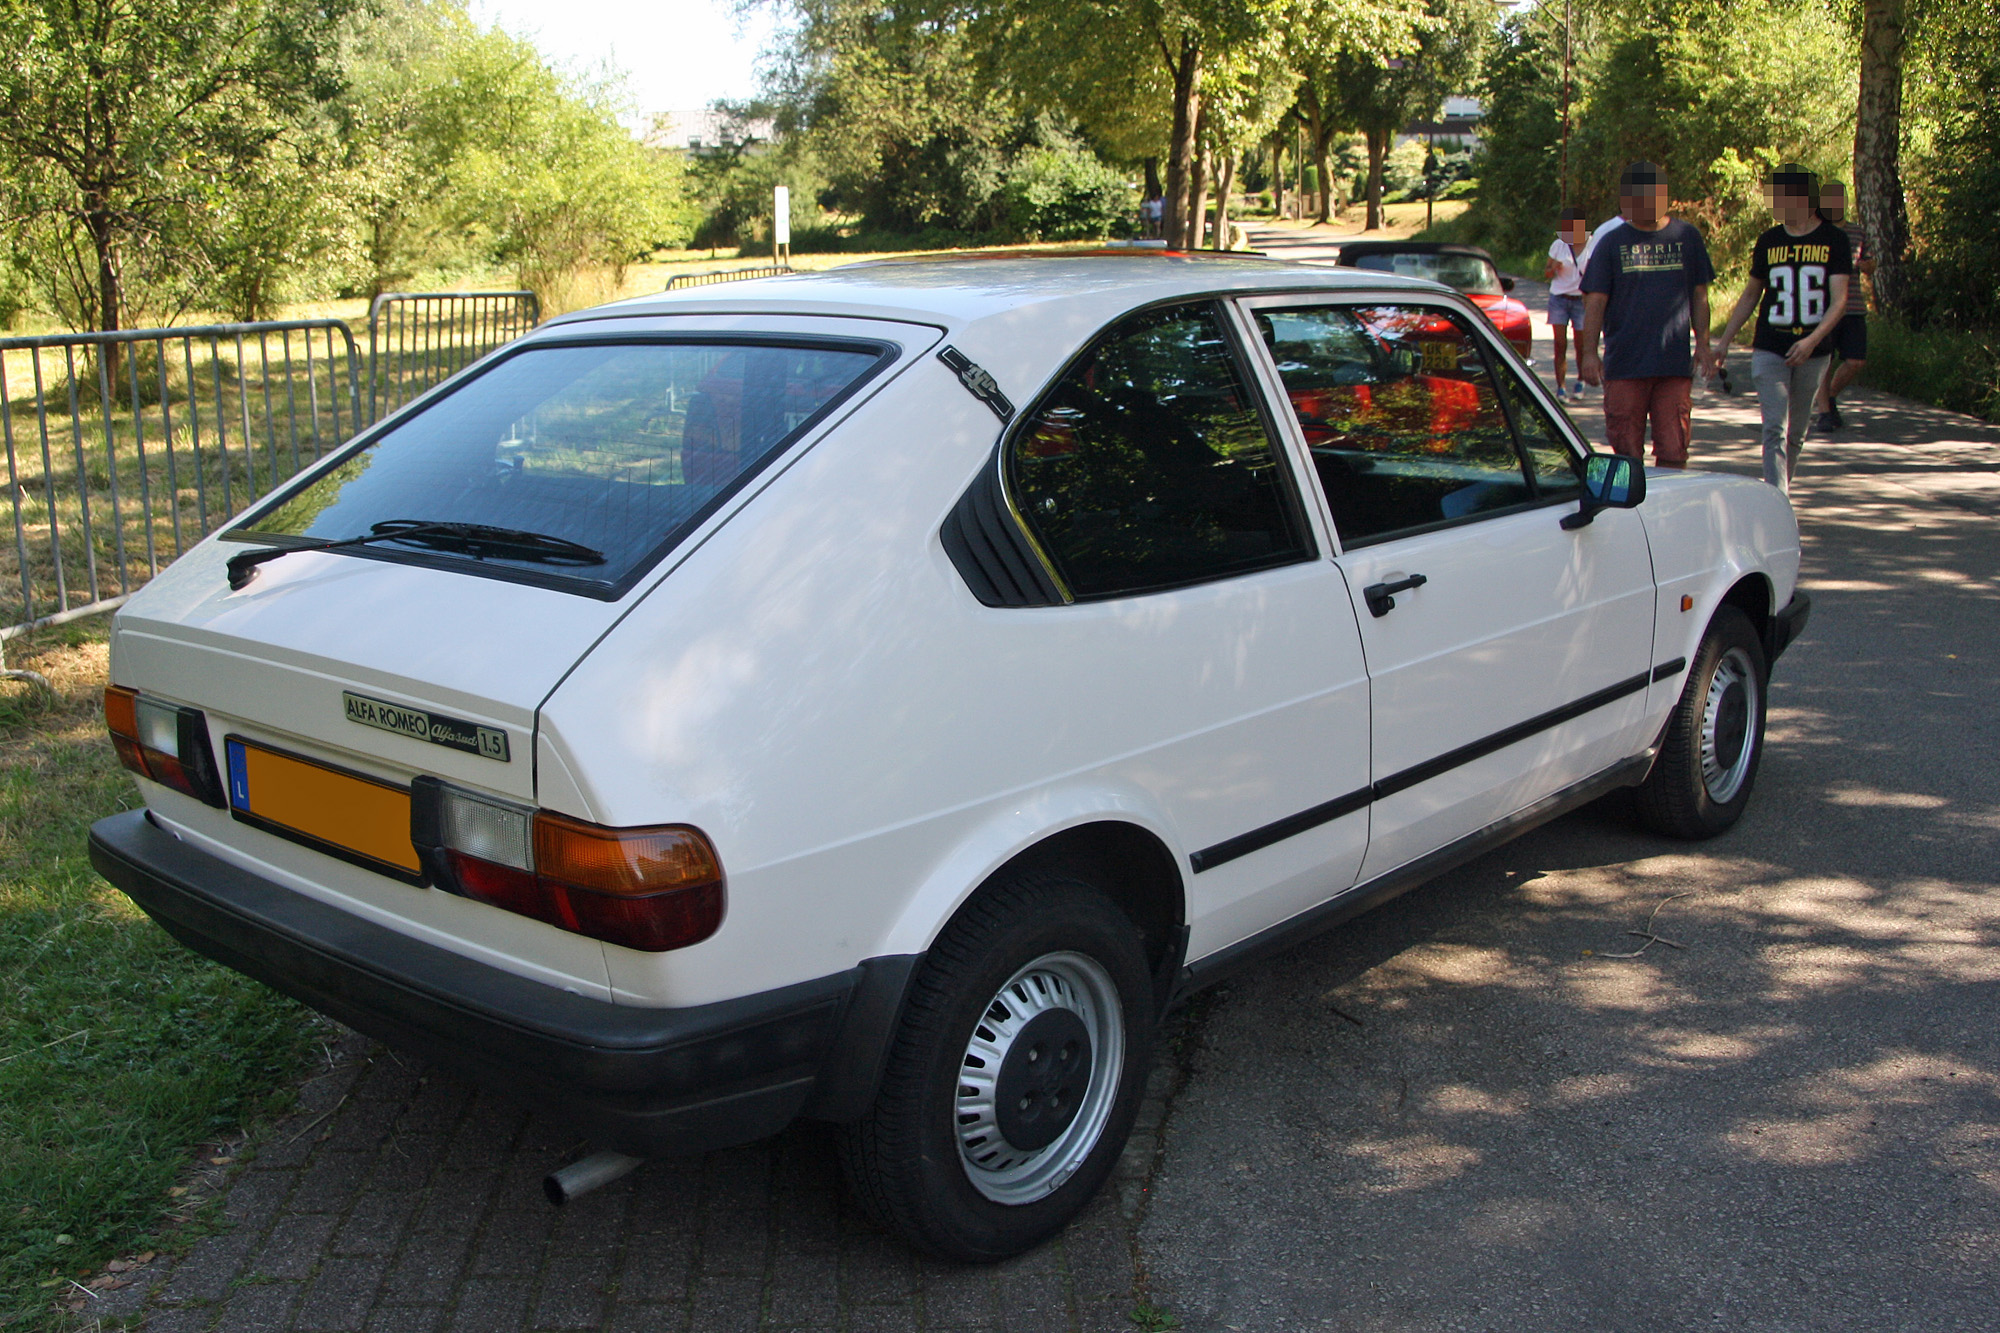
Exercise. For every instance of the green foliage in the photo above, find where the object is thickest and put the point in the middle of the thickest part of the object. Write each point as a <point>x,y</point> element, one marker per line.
<point>1953,368</point>
<point>119,120</point>
<point>1956,173</point>
<point>1061,192</point>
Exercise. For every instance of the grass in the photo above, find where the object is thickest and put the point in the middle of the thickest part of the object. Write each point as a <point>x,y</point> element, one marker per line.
<point>120,1051</point>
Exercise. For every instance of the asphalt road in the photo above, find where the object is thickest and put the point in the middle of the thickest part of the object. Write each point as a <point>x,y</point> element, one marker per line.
<point>1463,1111</point>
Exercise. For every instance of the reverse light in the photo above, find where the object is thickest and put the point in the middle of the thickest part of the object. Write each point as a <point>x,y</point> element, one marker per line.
<point>653,889</point>
<point>164,742</point>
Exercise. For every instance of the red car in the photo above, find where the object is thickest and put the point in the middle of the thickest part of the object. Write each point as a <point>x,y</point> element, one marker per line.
<point>1466,268</point>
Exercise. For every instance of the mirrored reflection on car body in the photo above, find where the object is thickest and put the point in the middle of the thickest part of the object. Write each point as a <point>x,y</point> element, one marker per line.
<point>951,744</point>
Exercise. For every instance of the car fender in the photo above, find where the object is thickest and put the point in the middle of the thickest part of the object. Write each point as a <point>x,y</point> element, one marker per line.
<point>1710,532</point>
<point>1009,830</point>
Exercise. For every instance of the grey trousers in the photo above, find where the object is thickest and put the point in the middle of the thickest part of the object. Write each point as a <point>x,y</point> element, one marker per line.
<point>1785,393</point>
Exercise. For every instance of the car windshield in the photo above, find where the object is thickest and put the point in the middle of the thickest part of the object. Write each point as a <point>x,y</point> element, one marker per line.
<point>1471,274</point>
<point>623,448</point>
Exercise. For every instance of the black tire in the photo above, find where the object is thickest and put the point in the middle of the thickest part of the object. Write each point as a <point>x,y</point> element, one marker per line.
<point>905,1162</point>
<point>1714,741</point>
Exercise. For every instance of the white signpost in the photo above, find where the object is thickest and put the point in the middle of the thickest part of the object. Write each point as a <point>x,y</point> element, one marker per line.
<point>781,224</point>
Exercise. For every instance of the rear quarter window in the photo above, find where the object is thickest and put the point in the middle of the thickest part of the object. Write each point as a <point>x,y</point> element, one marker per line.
<point>622,447</point>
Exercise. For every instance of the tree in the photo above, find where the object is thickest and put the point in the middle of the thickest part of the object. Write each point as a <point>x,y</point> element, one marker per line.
<point>1878,140</point>
<point>1378,95</point>
<point>116,114</point>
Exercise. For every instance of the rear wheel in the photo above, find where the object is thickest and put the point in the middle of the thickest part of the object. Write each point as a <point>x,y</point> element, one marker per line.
<point>1015,1077</point>
<point>1700,784</point>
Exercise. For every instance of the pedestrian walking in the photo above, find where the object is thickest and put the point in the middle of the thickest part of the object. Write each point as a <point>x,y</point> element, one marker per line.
<point>1799,273</point>
<point>1645,290</point>
<point>1850,340</point>
<point>1568,253</point>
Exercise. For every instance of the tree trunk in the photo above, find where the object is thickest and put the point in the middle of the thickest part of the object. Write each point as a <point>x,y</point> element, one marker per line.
<point>1181,151</point>
<point>1322,143</point>
<point>1224,183</point>
<point>1277,176</point>
<point>1153,190</point>
<point>1878,133</point>
<point>1204,172</point>
<point>1378,154</point>
<point>1316,135</point>
<point>110,282</point>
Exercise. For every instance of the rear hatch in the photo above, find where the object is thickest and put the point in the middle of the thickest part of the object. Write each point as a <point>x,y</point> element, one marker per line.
<point>332,678</point>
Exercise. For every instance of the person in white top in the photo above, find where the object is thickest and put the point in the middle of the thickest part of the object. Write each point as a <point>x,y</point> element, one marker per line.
<point>1564,273</point>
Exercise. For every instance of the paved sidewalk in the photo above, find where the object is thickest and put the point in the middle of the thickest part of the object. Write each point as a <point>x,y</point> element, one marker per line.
<point>401,1200</point>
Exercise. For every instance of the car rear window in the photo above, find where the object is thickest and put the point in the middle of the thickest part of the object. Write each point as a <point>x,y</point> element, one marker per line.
<point>621,447</point>
<point>1466,273</point>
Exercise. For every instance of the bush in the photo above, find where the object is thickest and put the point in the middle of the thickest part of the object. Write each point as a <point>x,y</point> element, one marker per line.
<point>1950,368</point>
<point>1062,192</point>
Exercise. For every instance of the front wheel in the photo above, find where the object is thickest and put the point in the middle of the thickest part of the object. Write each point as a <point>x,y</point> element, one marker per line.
<point>1708,760</point>
<point>1015,1077</point>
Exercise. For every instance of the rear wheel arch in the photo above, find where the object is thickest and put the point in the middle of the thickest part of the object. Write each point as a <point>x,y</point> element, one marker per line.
<point>1134,868</point>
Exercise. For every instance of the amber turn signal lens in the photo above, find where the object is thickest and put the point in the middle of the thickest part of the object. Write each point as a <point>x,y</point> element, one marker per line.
<point>163,742</point>
<point>635,862</point>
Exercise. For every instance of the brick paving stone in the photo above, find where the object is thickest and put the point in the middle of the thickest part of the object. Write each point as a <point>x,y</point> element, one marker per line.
<point>340,1295</point>
<point>259,1307</point>
<point>375,1223</point>
<point>513,1243</point>
<point>403,1319</point>
<point>432,1221</point>
<point>186,1319</point>
<point>489,1305</point>
<point>723,1303</point>
<point>575,1291</point>
<point>208,1269</point>
<point>332,1183</point>
<point>255,1197</point>
<point>653,1319</point>
<point>294,1246</point>
<point>427,1267</point>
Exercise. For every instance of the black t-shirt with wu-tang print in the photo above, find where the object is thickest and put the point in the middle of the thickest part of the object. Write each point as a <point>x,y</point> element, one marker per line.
<point>1797,273</point>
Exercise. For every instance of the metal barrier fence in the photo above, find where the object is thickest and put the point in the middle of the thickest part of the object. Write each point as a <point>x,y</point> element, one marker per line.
<point>416,339</point>
<point>124,449</point>
<point>134,445</point>
<point>725,275</point>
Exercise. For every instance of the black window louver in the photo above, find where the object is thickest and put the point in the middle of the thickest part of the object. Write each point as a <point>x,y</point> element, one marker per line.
<point>990,550</point>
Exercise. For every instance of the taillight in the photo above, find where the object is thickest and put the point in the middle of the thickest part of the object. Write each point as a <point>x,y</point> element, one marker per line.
<point>164,742</point>
<point>654,889</point>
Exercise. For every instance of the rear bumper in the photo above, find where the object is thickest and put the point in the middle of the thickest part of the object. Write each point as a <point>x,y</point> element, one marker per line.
<point>643,1081</point>
<point>1787,625</point>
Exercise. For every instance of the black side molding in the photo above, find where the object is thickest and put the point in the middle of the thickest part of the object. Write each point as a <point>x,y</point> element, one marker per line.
<point>1292,825</point>
<point>1354,901</point>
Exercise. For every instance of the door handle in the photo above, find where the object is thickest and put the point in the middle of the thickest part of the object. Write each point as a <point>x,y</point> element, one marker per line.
<point>1381,596</point>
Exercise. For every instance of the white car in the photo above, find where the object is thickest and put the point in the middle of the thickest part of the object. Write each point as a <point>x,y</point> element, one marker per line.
<point>725,707</point>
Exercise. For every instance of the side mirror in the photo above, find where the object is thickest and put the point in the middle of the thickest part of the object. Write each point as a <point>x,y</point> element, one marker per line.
<point>1506,283</point>
<point>1610,481</point>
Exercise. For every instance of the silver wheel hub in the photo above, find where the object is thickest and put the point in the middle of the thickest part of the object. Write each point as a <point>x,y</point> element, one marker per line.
<point>1728,724</point>
<point>1038,1078</point>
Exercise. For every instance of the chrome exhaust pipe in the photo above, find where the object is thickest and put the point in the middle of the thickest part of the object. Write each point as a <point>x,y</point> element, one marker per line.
<point>578,1178</point>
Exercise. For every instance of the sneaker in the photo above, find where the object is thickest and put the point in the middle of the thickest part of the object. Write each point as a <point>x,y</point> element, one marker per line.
<point>1577,392</point>
<point>1561,397</point>
<point>1828,422</point>
<point>1832,414</point>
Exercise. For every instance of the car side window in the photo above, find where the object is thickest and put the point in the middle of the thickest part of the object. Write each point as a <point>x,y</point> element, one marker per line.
<point>1148,465</point>
<point>1400,412</point>
<point>1549,458</point>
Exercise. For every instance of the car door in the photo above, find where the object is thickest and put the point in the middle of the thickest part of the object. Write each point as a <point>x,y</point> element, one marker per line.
<point>1507,656</point>
<point>1157,487</point>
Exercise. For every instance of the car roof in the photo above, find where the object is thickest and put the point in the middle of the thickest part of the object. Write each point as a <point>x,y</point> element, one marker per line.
<point>1359,248</point>
<point>1020,318</point>
<point>955,291</point>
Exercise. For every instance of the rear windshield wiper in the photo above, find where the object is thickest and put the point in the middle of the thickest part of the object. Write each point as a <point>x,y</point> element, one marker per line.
<point>474,539</point>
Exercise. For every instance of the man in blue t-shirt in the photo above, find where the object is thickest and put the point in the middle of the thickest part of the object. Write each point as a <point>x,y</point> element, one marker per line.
<point>1645,289</point>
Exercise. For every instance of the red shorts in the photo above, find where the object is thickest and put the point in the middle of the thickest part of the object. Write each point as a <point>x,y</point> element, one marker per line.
<point>1667,400</point>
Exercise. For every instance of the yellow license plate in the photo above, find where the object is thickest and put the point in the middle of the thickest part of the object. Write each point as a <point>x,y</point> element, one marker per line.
<point>356,818</point>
